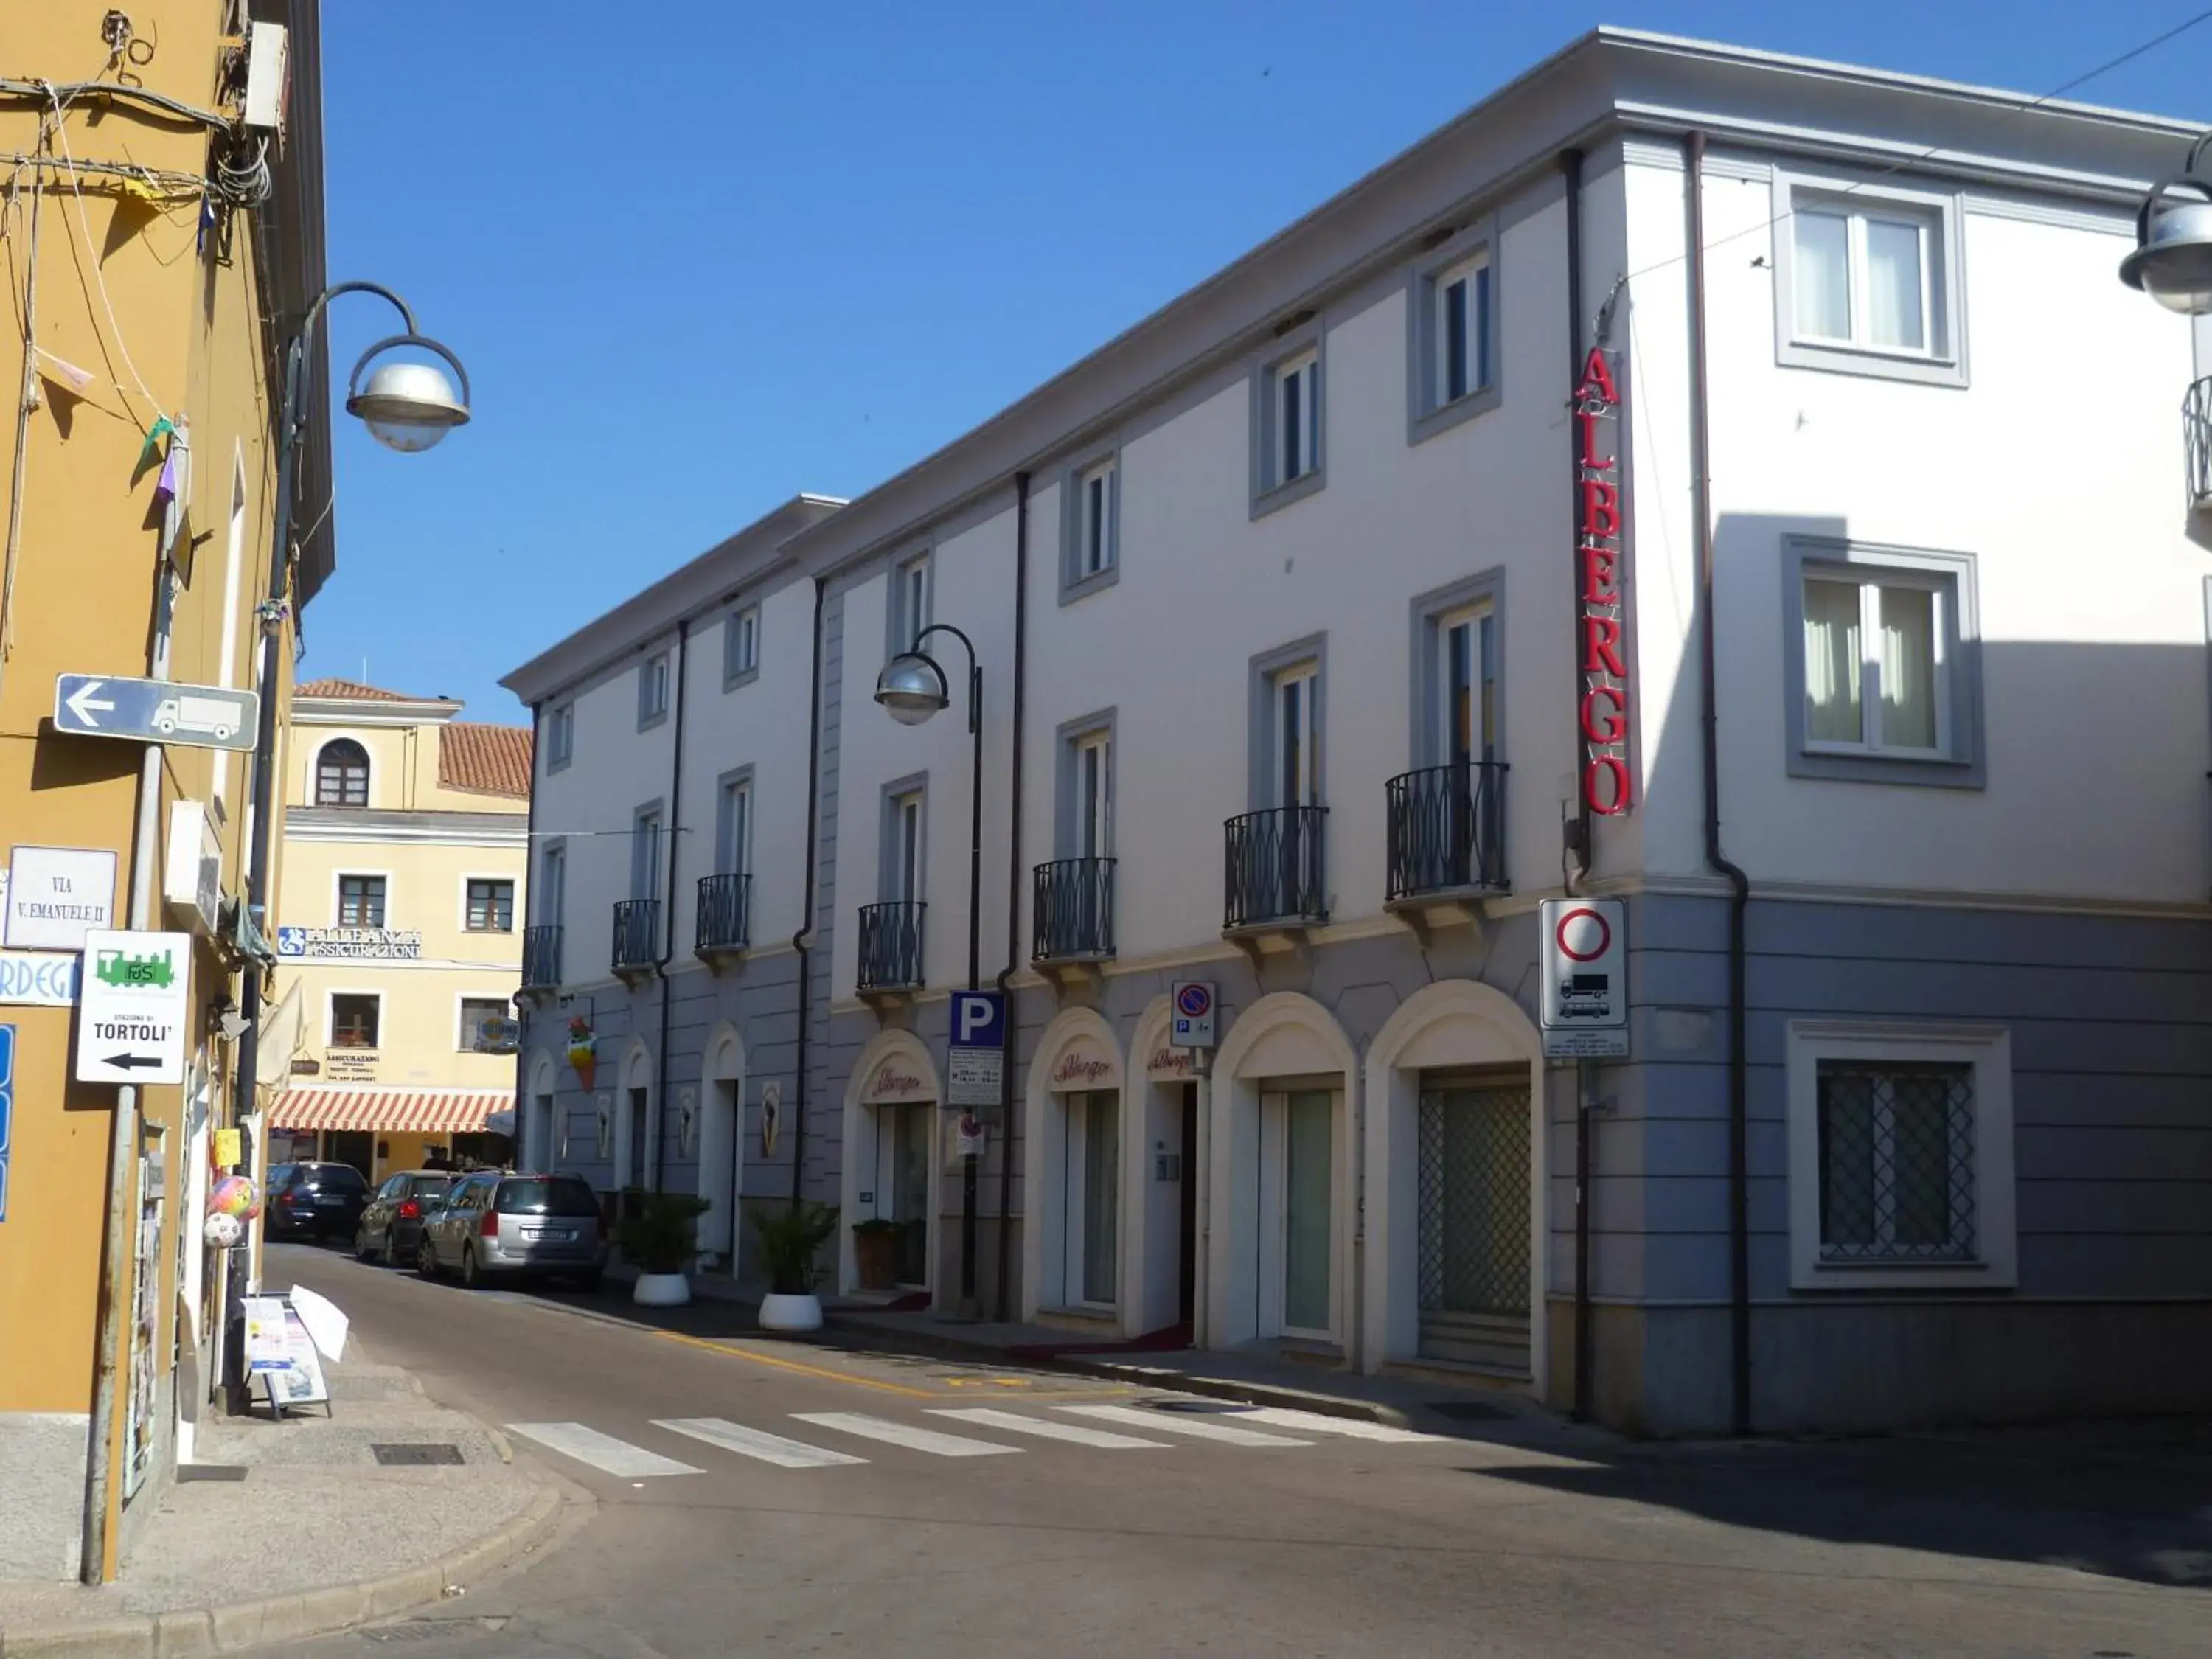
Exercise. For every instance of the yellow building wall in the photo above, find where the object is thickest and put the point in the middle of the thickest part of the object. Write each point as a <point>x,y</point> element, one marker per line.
<point>185,341</point>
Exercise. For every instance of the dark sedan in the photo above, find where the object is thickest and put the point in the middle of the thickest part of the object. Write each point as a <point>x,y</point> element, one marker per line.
<point>391,1228</point>
<point>314,1200</point>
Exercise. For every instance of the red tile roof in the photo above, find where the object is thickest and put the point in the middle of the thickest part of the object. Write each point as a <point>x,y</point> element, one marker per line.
<point>484,760</point>
<point>352,690</point>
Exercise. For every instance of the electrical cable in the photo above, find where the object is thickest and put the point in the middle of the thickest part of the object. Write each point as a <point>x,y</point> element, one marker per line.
<point>100,281</point>
<point>45,92</point>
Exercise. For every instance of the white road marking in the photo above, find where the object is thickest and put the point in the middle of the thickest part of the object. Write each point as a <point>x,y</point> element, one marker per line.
<point>1016,1424</point>
<point>1357,1428</point>
<point>902,1434</point>
<point>601,1451</point>
<point>1201,1427</point>
<point>756,1442</point>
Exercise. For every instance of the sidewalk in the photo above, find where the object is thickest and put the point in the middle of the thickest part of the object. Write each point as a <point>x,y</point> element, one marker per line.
<point>303,1531</point>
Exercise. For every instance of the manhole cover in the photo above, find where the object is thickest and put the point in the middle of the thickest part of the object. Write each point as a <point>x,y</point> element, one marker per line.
<point>1195,1406</point>
<point>423,1452</point>
<point>211,1472</point>
<point>1470,1411</point>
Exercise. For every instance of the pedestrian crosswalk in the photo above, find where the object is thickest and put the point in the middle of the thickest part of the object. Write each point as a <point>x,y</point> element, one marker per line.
<point>984,1434</point>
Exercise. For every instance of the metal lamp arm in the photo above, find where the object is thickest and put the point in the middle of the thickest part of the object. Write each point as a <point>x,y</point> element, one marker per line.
<point>975,668</point>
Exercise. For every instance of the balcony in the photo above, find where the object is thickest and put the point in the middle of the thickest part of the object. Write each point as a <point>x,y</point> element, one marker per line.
<point>890,950</point>
<point>1274,882</point>
<point>2196,443</point>
<point>1072,910</point>
<point>541,958</point>
<point>637,939</point>
<point>725,920</point>
<point>1446,842</point>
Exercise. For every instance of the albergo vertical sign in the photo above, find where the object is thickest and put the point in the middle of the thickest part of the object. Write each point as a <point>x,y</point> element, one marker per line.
<point>1604,713</point>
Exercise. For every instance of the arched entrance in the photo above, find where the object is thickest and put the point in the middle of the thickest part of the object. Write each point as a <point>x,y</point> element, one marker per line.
<point>1072,1250</point>
<point>1282,1200</point>
<point>1164,1173</point>
<point>721,1145</point>
<point>632,1118</point>
<point>1456,1185</point>
<point>540,1148</point>
<point>893,1170</point>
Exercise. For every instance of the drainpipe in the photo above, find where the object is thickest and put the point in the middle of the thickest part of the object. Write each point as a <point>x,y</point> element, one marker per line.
<point>1578,828</point>
<point>1004,1310</point>
<point>807,919</point>
<point>668,907</point>
<point>27,394</point>
<point>522,1007</point>
<point>1693,156</point>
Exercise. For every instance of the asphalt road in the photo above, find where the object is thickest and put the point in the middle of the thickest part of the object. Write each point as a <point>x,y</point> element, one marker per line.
<point>804,1507</point>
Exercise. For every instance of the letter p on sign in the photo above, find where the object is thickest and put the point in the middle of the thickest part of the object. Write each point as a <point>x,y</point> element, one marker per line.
<point>979,1019</point>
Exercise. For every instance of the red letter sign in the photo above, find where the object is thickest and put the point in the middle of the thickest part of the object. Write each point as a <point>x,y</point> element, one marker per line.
<point>1603,714</point>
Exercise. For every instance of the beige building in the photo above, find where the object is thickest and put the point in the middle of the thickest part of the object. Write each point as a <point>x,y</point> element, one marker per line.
<point>399,930</point>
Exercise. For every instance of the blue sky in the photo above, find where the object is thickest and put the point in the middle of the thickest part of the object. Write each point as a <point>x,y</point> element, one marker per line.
<point>700,256</point>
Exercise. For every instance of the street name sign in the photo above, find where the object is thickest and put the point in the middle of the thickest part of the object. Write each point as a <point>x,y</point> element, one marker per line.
<point>156,711</point>
<point>975,1072</point>
<point>1585,974</point>
<point>57,894</point>
<point>131,1009</point>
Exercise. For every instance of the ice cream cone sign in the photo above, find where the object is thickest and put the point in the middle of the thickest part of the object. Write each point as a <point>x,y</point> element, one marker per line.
<point>583,1048</point>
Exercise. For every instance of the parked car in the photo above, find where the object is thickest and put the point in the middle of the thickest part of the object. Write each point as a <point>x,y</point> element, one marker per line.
<point>314,1200</point>
<point>499,1225</point>
<point>391,1228</point>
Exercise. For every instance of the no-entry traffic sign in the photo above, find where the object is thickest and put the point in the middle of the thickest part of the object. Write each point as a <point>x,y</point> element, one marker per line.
<point>1585,977</point>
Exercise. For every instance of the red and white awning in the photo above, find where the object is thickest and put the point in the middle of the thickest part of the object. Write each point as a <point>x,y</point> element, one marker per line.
<point>402,1111</point>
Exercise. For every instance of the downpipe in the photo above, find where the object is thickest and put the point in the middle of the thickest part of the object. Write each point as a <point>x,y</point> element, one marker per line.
<point>1004,1288</point>
<point>799,940</point>
<point>658,1172</point>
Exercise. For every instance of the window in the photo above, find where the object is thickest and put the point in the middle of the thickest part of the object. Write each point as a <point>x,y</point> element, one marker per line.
<point>741,647</point>
<point>734,825</point>
<point>475,1011</point>
<point>652,690</point>
<point>644,852</point>
<point>1866,280</point>
<point>361,901</point>
<point>1451,341</point>
<point>560,737</point>
<point>902,846</point>
<point>1092,528</point>
<point>1883,664</point>
<point>1093,815</point>
<point>355,1017</point>
<point>1287,425</point>
<point>1294,763</point>
<point>490,907</point>
<point>1464,688</point>
<point>1900,1155</point>
<point>552,882</point>
<point>913,580</point>
<point>342,774</point>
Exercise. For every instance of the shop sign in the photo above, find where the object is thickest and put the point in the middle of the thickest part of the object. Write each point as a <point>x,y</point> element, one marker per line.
<point>1168,1065</point>
<point>136,990</point>
<point>1084,1066</point>
<point>350,1065</point>
<point>350,944</point>
<point>57,894</point>
<point>1603,671</point>
<point>38,979</point>
<point>307,1066</point>
<point>895,1081</point>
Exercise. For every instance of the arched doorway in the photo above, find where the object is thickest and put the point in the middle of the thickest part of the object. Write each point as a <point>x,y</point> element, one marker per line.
<point>893,1167</point>
<point>1165,1176</point>
<point>1073,1249</point>
<point>634,1119</point>
<point>1456,1192</point>
<point>721,1147</point>
<point>540,1148</point>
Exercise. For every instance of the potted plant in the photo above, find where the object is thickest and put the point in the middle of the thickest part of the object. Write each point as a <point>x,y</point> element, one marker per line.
<point>789,1241</point>
<point>660,1240</point>
<point>875,1252</point>
<point>583,1048</point>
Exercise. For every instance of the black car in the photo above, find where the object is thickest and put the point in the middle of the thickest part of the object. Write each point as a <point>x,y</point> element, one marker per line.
<point>314,1200</point>
<point>391,1228</point>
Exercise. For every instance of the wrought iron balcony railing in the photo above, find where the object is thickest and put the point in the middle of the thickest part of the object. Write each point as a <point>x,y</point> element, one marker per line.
<point>1276,868</point>
<point>541,957</point>
<point>1073,910</point>
<point>725,920</point>
<point>891,946</point>
<point>637,935</point>
<point>1446,829</point>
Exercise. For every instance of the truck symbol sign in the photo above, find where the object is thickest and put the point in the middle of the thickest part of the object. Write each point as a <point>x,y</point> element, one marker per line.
<point>218,719</point>
<point>1585,996</point>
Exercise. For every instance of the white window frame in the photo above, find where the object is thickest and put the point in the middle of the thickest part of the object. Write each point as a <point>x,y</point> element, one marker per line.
<point>1940,359</point>
<point>461,1032</point>
<point>733,825</point>
<point>1988,1050</point>
<point>652,691</point>
<point>1481,370</point>
<point>1301,356</point>
<point>912,599</point>
<point>1305,788</point>
<point>514,901</point>
<point>741,647</point>
<point>1095,526</point>
<point>559,736</point>
<point>1294,441</point>
<point>330,1022</point>
<point>1091,778</point>
<point>339,879</point>
<point>1870,582</point>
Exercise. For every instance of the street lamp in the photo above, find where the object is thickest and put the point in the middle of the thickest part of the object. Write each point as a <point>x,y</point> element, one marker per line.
<point>2173,257</point>
<point>914,686</point>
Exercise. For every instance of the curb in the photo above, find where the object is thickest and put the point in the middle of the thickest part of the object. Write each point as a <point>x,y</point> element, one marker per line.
<point>291,1618</point>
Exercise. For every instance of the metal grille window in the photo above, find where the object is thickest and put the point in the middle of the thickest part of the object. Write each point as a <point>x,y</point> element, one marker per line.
<point>361,901</point>
<point>491,907</point>
<point>1473,1190</point>
<point>1897,1162</point>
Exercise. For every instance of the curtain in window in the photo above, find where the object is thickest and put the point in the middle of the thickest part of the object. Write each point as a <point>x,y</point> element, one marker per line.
<point>1823,275</point>
<point>1832,662</point>
<point>1894,284</point>
<point>1908,668</point>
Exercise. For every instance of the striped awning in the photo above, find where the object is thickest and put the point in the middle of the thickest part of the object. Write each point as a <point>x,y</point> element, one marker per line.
<point>405,1111</point>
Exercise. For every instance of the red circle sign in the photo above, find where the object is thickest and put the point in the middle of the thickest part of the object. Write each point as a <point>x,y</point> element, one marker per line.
<point>1604,939</point>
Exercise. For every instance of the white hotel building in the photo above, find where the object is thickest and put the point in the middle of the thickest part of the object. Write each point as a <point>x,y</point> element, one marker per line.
<point>1293,667</point>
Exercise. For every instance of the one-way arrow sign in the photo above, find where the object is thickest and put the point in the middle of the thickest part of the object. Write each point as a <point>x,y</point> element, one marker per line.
<point>156,711</point>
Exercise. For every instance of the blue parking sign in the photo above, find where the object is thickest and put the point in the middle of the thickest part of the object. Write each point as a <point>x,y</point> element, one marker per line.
<point>7,1107</point>
<point>979,1019</point>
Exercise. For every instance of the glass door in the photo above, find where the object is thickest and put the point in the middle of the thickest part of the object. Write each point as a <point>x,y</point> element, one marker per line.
<point>1297,784</point>
<point>910,1138</point>
<point>1102,1193</point>
<point>1308,1160</point>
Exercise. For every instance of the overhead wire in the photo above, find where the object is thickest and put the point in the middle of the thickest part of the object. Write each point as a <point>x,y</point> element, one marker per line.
<point>100,281</point>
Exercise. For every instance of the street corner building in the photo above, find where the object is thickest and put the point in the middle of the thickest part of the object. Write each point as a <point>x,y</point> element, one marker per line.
<point>397,938</point>
<point>163,221</point>
<point>1671,484</point>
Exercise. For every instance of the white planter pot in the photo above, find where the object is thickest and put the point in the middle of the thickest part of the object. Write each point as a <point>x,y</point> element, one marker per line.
<point>661,1290</point>
<point>790,1313</point>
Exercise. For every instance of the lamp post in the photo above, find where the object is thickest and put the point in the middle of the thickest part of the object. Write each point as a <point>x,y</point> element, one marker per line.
<point>914,686</point>
<point>2173,257</point>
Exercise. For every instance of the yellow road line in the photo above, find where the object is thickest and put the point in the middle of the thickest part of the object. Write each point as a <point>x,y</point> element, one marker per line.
<point>735,1352</point>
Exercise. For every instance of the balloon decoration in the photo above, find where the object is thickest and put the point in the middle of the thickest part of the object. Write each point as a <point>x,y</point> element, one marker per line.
<point>235,1196</point>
